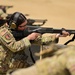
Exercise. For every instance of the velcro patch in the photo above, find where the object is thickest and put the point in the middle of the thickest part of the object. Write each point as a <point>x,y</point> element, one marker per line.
<point>8,36</point>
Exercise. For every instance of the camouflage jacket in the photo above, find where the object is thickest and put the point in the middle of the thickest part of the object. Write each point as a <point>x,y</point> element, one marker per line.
<point>8,45</point>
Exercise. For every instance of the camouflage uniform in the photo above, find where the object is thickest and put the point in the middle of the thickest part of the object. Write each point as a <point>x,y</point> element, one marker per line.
<point>8,45</point>
<point>62,62</point>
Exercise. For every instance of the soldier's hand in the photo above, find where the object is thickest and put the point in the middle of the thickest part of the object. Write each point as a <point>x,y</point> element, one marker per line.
<point>64,34</point>
<point>33,36</point>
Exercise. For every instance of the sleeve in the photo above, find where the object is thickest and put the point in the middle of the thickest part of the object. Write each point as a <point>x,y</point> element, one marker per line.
<point>49,39</point>
<point>71,65</point>
<point>10,43</point>
<point>45,40</point>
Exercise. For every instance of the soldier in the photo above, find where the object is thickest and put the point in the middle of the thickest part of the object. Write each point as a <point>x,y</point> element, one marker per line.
<point>4,8</point>
<point>19,31</point>
<point>2,17</point>
<point>59,62</point>
<point>8,46</point>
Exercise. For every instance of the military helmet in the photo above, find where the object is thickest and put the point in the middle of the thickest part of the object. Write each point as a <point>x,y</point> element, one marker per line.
<point>16,19</point>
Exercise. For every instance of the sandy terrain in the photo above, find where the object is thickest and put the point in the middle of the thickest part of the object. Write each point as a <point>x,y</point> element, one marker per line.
<point>59,13</point>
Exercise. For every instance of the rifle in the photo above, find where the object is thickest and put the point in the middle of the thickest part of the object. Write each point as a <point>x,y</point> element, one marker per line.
<point>43,30</point>
<point>39,29</point>
<point>32,21</point>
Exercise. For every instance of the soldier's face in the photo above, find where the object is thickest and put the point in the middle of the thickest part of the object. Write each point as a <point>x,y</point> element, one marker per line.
<point>22,26</point>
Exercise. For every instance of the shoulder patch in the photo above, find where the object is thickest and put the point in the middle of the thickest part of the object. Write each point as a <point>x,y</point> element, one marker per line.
<point>8,36</point>
<point>5,34</point>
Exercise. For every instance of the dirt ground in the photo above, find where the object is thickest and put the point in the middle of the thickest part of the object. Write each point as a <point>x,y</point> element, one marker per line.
<point>59,13</point>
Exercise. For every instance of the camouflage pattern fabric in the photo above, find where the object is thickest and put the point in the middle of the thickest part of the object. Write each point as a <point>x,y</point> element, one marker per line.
<point>45,39</point>
<point>8,45</point>
<point>61,63</point>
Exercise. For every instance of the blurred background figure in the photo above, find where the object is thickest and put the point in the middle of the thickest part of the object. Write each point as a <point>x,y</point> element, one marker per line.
<point>4,8</point>
<point>3,16</point>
